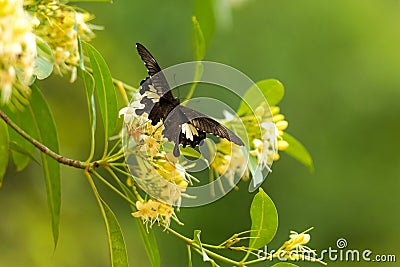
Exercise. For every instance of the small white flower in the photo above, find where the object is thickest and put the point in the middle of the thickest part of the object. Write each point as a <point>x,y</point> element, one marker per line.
<point>271,132</point>
<point>17,48</point>
<point>130,111</point>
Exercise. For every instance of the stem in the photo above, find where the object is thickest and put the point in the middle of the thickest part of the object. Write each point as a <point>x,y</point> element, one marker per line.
<point>123,187</point>
<point>114,147</point>
<point>209,252</point>
<point>189,251</point>
<point>44,149</point>
<point>113,188</point>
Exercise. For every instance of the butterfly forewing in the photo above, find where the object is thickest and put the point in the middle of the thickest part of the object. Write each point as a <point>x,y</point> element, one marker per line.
<point>157,78</point>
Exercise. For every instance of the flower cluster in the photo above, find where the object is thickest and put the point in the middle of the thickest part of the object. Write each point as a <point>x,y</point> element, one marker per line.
<point>22,25</point>
<point>264,128</point>
<point>153,211</point>
<point>147,156</point>
<point>17,50</point>
<point>59,25</point>
<point>229,161</point>
<point>272,126</point>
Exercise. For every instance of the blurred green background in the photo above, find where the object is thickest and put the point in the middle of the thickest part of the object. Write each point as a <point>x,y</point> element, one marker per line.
<point>340,64</point>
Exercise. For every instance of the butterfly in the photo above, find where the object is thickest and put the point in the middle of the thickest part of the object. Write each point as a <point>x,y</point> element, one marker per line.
<point>182,125</point>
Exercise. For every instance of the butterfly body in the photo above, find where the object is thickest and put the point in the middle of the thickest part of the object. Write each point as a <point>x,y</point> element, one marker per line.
<point>182,125</point>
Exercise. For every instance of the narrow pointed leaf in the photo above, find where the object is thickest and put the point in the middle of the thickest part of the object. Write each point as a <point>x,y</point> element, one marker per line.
<point>197,240</point>
<point>150,244</point>
<point>119,257</point>
<point>298,151</point>
<point>256,175</point>
<point>44,61</point>
<point>4,144</point>
<point>199,42</point>
<point>88,81</point>
<point>89,85</point>
<point>47,134</point>
<point>264,220</point>
<point>272,90</point>
<point>17,148</point>
<point>104,89</point>
<point>148,237</point>
<point>24,119</point>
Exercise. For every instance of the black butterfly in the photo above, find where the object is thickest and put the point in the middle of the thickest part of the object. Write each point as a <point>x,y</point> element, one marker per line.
<point>182,125</point>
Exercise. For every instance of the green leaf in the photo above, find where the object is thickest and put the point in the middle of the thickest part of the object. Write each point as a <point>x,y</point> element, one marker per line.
<point>4,143</point>
<point>190,152</point>
<point>119,257</point>
<point>199,42</point>
<point>88,81</point>
<point>148,237</point>
<point>89,86</point>
<point>44,60</point>
<point>298,151</point>
<point>284,264</point>
<point>272,90</point>
<point>17,148</point>
<point>264,220</point>
<point>105,90</point>
<point>47,134</point>
<point>197,241</point>
<point>24,119</point>
<point>150,244</point>
<point>256,174</point>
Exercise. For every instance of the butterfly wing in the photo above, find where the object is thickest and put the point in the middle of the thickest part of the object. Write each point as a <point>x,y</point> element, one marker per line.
<point>204,123</point>
<point>155,106</point>
<point>157,78</point>
<point>186,126</point>
<point>179,130</point>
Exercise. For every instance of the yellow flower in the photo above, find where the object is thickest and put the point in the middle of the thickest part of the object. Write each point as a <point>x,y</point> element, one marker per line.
<point>153,211</point>
<point>59,25</point>
<point>297,241</point>
<point>146,210</point>
<point>229,161</point>
<point>17,49</point>
<point>151,145</point>
<point>295,249</point>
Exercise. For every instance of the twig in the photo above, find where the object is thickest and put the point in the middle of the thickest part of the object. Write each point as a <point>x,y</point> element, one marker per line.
<point>45,149</point>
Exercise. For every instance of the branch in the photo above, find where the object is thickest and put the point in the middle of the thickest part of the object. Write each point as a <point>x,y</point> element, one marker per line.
<point>44,149</point>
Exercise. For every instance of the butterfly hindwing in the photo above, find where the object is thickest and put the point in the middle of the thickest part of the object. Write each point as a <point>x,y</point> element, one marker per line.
<point>209,125</point>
